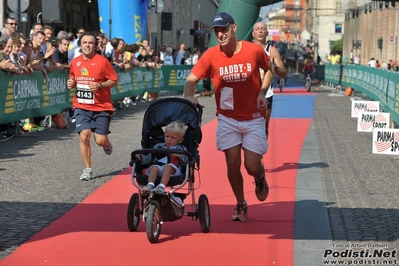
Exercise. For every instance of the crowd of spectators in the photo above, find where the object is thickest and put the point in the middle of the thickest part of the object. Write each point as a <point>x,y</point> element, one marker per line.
<point>44,51</point>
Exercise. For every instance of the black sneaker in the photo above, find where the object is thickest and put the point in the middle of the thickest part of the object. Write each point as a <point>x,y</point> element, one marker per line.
<point>262,188</point>
<point>240,212</point>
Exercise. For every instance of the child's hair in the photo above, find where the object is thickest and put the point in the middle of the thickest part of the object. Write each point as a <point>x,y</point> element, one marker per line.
<point>176,126</point>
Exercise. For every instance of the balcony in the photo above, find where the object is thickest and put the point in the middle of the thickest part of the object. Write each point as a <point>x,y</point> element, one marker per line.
<point>287,18</point>
<point>291,30</point>
<point>293,7</point>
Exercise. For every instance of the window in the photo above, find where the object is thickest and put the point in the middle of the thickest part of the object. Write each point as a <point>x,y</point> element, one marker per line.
<point>338,7</point>
<point>338,28</point>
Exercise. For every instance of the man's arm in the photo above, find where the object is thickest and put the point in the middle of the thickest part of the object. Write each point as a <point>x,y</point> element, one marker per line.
<point>279,68</point>
<point>189,88</point>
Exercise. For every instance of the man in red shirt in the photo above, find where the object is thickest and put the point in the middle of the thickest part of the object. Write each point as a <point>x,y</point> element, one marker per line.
<point>93,76</point>
<point>233,66</point>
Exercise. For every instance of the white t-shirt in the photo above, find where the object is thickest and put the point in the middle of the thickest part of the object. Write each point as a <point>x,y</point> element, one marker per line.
<point>372,63</point>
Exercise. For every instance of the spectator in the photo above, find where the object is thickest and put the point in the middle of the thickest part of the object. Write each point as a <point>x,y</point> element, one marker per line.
<point>27,51</point>
<point>119,52</point>
<point>36,27</point>
<point>128,56</point>
<point>393,65</point>
<point>162,52</point>
<point>145,44</point>
<point>157,62</point>
<point>384,65</point>
<point>5,56</point>
<point>377,64</point>
<point>180,54</point>
<point>37,42</point>
<point>16,60</point>
<point>100,46</point>
<point>356,60</point>
<point>372,62</point>
<point>79,33</point>
<point>196,54</point>
<point>48,49</point>
<point>109,49</point>
<point>10,27</point>
<point>142,57</point>
<point>61,54</point>
<point>62,34</point>
<point>187,58</point>
<point>168,59</point>
<point>74,51</point>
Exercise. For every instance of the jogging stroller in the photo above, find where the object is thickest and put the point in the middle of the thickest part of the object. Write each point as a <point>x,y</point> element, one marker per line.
<point>155,208</point>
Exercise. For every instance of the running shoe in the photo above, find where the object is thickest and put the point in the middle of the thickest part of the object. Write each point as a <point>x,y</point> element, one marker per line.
<point>87,174</point>
<point>31,127</point>
<point>148,187</point>
<point>159,189</point>
<point>262,188</point>
<point>240,212</point>
<point>108,148</point>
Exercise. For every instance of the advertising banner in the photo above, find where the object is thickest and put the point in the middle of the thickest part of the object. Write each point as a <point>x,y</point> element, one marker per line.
<point>364,106</point>
<point>367,121</point>
<point>33,96</point>
<point>386,141</point>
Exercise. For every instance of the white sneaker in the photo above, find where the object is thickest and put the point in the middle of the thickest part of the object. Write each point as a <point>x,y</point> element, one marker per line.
<point>87,174</point>
<point>108,148</point>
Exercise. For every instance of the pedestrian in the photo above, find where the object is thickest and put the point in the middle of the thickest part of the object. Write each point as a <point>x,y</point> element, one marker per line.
<point>166,167</point>
<point>372,62</point>
<point>233,66</point>
<point>259,34</point>
<point>92,75</point>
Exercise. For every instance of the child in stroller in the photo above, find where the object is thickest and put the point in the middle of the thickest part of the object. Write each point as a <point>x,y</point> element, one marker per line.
<point>166,167</point>
<point>156,206</point>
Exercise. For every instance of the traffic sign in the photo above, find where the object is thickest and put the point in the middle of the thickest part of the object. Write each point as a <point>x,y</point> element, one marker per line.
<point>391,39</point>
<point>24,16</point>
<point>13,5</point>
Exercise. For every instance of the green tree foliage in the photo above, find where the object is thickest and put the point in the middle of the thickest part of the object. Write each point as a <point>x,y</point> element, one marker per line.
<point>337,46</point>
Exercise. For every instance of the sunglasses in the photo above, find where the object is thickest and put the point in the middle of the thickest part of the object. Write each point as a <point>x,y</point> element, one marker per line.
<point>12,24</point>
<point>81,32</point>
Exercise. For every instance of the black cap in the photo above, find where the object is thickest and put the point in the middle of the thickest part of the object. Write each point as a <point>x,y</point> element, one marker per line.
<point>222,20</point>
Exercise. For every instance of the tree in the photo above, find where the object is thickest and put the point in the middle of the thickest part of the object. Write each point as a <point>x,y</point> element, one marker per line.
<point>337,46</point>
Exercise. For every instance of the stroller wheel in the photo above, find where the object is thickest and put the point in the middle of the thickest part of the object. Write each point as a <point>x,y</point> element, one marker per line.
<point>204,213</point>
<point>133,213</point>
<point>153,223</point>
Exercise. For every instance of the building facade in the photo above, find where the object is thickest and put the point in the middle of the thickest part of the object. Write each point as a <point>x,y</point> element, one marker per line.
<point>190,23</point>
<point>325,23</point>
<point>365,23</point>
<point>72,13</point>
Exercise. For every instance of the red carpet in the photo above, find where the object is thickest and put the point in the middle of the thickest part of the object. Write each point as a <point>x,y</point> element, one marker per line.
<point>95,231</point>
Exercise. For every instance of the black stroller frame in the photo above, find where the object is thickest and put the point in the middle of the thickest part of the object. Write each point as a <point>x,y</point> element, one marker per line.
<point>155,208</point>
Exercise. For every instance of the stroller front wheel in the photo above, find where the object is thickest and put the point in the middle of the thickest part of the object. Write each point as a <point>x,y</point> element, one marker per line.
<point>153,223</point>
<point>133,213</point>
<point>204,213</point>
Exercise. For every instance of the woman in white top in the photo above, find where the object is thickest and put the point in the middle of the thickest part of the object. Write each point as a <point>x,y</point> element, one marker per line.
<point>195,57</point>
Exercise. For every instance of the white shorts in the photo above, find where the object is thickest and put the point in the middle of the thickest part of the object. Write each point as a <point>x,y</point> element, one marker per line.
<point>160,167</point>
<point>251,134</point>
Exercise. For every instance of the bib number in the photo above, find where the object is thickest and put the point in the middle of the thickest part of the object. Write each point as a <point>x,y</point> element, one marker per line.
<point>226,98</point>
<point>84,94</point>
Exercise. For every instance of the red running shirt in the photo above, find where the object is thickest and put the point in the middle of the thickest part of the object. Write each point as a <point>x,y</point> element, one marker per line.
<point>98,69</point>
<point>236,79</point>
